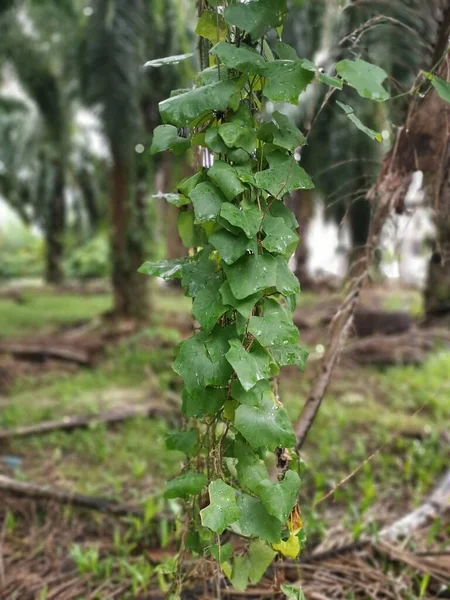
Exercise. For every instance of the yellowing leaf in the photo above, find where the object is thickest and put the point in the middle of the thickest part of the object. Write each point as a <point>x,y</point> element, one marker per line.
<point>289,548</point>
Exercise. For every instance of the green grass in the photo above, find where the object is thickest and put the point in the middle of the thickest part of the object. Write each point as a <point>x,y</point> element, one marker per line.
<point>43,310</point>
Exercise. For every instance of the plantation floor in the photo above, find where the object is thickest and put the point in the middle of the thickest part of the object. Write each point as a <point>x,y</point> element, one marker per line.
<point>400,415</point>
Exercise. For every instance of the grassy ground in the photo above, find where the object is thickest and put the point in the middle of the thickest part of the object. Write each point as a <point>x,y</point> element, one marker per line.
<point>401,413</point>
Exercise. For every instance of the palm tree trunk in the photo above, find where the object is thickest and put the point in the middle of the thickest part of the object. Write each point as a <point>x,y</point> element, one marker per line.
<point>301,204</point>
<point>130,289</point>
<point>54,231</point>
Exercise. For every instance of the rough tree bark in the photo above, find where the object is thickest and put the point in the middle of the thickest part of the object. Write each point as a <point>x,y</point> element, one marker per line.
<point>54,230</point>
<point>130,288</point>
<point>301,202</point>
<point>423,145</point>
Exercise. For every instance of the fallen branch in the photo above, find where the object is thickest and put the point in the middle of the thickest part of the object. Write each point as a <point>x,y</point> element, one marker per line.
<point>84,421</point>
<point>34,491</point>
<point>340,327</point>
<point>433,508</point>
<point>41,352</point>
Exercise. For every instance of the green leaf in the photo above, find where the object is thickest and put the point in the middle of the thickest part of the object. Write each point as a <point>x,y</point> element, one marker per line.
<point>191,235</point>
<point>247,217</point>
<point>287,135</point>
<point>279,209</point>
<point>239,130</point>
<point>441,86</point>
<point>251,471</point>
<point>183,441</point>
<point>252,397</point>
<point>279,237</point>
<point>250,367</point>
<point>292,593</point>
<point>251,274</point>
<point>283,176</point>
<point>272,308</point>
<point>207,200</point>
<point>188,484</point>
<point>231,247</point>
<point>214,142</point>
<point>286,355</point>
<point>185,108</point>
<point>165,137</point>
<point>196,368</point>
<point>279,498</point>
<point>168,60</point>
<point>286,282</point>
<point>270,331</point>
<point>208,307</point>
<point>242,58</point>
<point>334,82</point>
<point>201,402</point>
<point>174,199</point>
<point>256,17</point>
<point>285,52</point>
<point>166,269</point>
<point>286,80</point>
<point>211,26</point>
<point>221,553</point>
<point>240,572</point>
<point>260,556</point>
<point>187,184</point>
<point>255,520</point>
<point>222,510</point>
<point>244,307</point>
<point>354,119</point>
<point>217,343</point>
<point>265,426</point>
<point>197,271</point>
<point>364,77</point>
<point>225,177</point>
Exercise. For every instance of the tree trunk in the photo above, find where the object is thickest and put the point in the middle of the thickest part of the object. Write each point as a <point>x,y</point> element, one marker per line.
<point>437,291</point>
<point>423,145</point>
<point>130,288</point>
<point>55,229</point>
<point>301,204</point>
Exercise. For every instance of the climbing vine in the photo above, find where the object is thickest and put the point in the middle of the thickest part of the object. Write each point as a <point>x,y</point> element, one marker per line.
<point>241,235</point>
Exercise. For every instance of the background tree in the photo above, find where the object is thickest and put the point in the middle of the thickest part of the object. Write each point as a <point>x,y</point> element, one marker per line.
<point>121,36</point>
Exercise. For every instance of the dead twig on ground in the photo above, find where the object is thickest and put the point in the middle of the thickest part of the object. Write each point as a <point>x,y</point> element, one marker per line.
<point>35,491</point>
<point>155,408</point>
<point>42,352</point>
